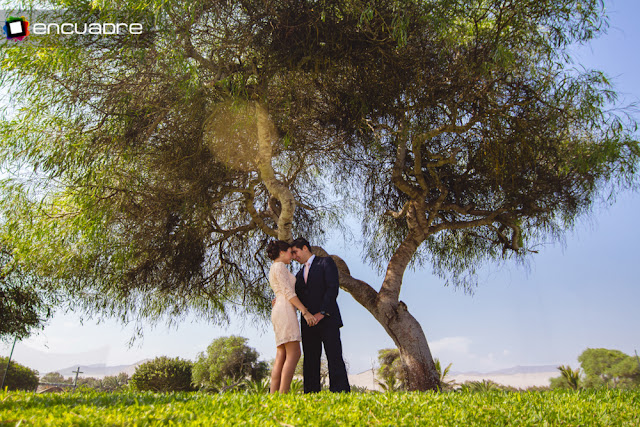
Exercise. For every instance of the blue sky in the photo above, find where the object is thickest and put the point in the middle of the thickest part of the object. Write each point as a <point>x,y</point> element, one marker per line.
<point>582,293</point>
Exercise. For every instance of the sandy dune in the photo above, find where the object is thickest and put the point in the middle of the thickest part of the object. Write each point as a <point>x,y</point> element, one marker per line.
<point>520,380</point>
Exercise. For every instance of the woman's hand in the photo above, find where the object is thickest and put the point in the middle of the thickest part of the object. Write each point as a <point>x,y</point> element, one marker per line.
<point>310,318</point>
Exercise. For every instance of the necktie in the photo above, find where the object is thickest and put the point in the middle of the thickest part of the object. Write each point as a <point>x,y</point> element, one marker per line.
<point>306,271</point>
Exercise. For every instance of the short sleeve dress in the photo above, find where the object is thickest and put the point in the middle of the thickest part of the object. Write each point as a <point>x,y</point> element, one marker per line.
<point>283,315</point>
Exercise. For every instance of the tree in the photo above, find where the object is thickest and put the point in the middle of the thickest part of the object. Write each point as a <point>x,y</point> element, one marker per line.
<point>160,172</point>
<point>18,377</point>
<point>228,363</point>
<point>609,368</point>
<point>24,307</point>
<point>120,381</point>
<point>55,378</point>
<point>163,374</point>
<point>115,382</point>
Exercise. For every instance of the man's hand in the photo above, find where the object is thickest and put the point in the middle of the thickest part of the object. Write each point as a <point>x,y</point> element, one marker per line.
<point>319,317</point>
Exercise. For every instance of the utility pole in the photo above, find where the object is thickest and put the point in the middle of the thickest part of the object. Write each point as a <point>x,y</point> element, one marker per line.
<point>75,382</point>
<point>8,362</point>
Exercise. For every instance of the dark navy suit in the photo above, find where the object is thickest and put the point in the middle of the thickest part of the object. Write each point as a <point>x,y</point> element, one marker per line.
<point>318,294</point>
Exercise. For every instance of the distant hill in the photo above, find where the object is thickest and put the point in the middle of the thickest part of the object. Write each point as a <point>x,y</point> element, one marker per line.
<point>99,370</point>
<point>526,370</point>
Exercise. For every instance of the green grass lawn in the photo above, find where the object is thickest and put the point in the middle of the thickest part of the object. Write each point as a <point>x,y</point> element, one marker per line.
<point>565,408</point>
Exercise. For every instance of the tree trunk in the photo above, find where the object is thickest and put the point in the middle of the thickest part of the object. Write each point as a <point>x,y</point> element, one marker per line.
<point>402,327</point>
<point>408,336</point>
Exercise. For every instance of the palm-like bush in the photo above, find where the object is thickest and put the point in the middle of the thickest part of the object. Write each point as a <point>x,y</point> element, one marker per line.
<point>297,387</point>
<point>392,370</point>
<point>480,386</point>
<point>258,387</point>
<point>390,383</point>
<point>444,383</point>
<point>571,376</point>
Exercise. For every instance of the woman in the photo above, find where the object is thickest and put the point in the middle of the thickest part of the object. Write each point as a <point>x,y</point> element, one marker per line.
<point>283,316</point>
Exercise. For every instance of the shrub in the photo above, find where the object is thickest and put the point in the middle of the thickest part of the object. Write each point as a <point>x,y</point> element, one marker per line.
<point>163,374</point>
<point>359,389</point>
<point>18,377</point>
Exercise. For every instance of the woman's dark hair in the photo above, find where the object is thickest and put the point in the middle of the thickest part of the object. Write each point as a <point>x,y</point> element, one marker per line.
<point>275,247</point>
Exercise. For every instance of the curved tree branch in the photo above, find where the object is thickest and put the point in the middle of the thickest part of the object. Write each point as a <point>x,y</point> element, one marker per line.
<point>267,174</point>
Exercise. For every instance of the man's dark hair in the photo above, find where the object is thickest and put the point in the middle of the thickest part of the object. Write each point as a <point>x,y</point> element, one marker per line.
<point>301,242</point>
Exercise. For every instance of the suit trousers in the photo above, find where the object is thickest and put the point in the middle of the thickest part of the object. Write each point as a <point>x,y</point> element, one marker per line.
<point>313,339</point>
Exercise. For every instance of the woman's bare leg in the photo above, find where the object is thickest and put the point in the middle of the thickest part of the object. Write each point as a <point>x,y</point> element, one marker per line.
<point>291,361</point>
<point>276,373</point>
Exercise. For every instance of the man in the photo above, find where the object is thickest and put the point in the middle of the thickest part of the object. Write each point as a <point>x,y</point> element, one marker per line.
<point>317,287</point>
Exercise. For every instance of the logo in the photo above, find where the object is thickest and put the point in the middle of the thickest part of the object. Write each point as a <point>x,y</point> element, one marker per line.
<point>16,28</point>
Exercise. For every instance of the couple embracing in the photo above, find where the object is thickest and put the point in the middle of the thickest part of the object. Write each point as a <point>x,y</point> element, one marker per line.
<point>313,291</point>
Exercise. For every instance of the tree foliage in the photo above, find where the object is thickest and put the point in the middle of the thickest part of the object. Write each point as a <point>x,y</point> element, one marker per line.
<point>25,301</point>
<point>18,377</point>
<point>609,368</point>
<point>163,374</point>
<point>227,363</point>
<point>55,377</point>
<point>140,195</point>
<point>118,382</point>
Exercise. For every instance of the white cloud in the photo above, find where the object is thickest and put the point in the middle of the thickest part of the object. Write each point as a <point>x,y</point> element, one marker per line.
<point>451,345</point>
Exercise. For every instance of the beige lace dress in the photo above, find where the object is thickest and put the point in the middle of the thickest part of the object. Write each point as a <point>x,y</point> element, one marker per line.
<point>283,315</point>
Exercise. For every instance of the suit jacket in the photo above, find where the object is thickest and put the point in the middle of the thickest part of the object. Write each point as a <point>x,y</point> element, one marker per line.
<point>321,290</point>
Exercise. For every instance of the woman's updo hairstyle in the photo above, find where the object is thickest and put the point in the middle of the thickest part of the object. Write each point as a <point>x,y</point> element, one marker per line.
<point>275,247</point>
